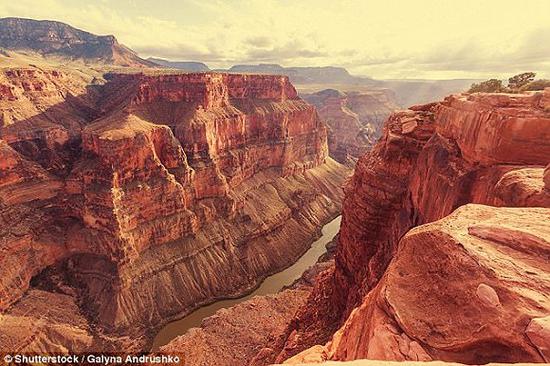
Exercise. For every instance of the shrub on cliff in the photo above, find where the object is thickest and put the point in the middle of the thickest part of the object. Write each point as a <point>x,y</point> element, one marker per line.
<point>520,80</point>
<point>536,85</point>
<point>516,84</point>
<point>489,86</point>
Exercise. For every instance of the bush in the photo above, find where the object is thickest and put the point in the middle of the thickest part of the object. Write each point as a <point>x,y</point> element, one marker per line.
<point>516,84</point>
<point>536,85</point>
<point>489,86</point>
<point>519,80</point>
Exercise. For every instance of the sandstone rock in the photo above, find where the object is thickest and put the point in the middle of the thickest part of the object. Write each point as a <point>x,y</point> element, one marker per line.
<point>378,187</point>
<point>428,292</point>
<point>27,227</point>
<point>314,355</point>
<point>45,322</point>
<point>158,193</point>
<point>522,187</point>
<point>42,114</point>
<point>430,161</point>
<point>233,336</point>
<point>493,128</point>
<point>433,175</point>
<point>547,178</point>
<point>488,295</point>
<point>538,332</point>
<point>354,119</point>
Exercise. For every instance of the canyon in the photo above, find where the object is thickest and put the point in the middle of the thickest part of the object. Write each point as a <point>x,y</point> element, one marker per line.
<point>131,200</point>
<point>354,119</point>
<point>442,253</point>
<point>443,248</point>
<point>132,195</point>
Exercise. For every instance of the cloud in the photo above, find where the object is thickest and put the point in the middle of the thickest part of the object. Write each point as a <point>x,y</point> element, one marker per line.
<point>384,39</point>
<point>259,41</point>
<point>176,52</point>
<point>294,49</point>
<point>476,58</point>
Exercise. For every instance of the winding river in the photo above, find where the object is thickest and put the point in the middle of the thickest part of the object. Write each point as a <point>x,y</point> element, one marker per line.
<point>270,285</point>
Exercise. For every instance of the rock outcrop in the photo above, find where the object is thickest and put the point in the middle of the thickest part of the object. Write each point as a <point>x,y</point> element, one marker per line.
<point>56,39</point>
<point>354,119</point>
<point>470,288</point>
<point>242,334</point>
<point>489,149</point>
<point>250,333</point>
<point>135,202</point>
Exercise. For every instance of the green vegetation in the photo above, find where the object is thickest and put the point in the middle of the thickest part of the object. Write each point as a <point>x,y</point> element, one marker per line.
<point>517,81</point>
<point>489,86</point>
<point>516,84</point>
<point>536,85</point>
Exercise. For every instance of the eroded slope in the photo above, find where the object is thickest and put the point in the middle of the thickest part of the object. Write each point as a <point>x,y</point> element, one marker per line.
<point>141,199</point>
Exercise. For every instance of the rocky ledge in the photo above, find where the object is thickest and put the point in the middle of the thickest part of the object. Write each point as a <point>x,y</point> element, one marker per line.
<point>472,287</point>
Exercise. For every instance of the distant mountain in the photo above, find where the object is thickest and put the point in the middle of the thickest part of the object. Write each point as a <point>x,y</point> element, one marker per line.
<point>181,65</point>
<point>304,75</point>
<point>407,92</point>
<point>259,69</point>
<point>52,38</point>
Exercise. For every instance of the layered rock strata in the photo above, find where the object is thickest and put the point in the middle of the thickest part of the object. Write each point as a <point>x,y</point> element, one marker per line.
<point>470,288</point>
<point>242,334</point>
<point>489,149</point>
<point>251,332</point>
<point>354,119</point>
<point>139,200</point>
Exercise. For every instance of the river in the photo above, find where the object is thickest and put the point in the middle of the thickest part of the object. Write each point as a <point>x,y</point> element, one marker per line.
<point>270,285</point>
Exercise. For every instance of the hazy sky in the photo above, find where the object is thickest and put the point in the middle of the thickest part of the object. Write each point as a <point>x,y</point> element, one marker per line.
<point>378,38</point>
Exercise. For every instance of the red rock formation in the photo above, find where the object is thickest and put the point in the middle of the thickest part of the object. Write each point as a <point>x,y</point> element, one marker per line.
<point>158,194</point>
<point>234,336</point>
<point>431,160</point>
<point>21,183</point>
<point>445,167</point>
<point>46,322</point>
<point>546,178</point>
<point>354,119</point>
<point>470,288</point>
<point>496,129</point>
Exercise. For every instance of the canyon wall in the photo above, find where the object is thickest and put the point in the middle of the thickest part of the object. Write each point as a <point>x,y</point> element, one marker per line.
<point>470,283</point>
<point>354,119</point>
<point>130,204</point>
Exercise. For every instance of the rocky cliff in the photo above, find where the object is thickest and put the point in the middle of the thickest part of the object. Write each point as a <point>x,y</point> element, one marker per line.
<point>354,119</point>
<point>469,283</point>
<point>129,204</point>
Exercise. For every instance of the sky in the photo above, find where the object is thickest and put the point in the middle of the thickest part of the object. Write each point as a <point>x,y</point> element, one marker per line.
<point>384,39</point>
